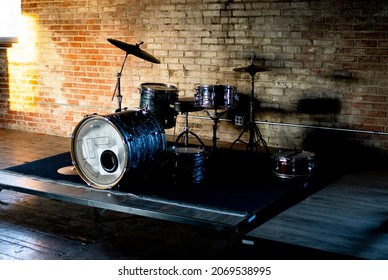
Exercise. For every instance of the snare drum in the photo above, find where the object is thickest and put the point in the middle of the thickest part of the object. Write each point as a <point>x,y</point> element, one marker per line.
<point>214,96</point>
<point>156,98</point>
<point>292,164</point>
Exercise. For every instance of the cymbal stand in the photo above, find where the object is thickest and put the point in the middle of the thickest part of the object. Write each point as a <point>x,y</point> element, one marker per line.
<point>255,137</point>
<point>216,119</point>
<point>118,86</point>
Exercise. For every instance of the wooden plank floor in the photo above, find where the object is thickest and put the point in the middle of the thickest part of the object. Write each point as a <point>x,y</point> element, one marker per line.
<point>350,216</point>
<point>39,228</point>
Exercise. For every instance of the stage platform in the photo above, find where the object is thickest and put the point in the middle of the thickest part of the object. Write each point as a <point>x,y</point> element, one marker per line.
<point>229,197</point>
<point>297,226</point>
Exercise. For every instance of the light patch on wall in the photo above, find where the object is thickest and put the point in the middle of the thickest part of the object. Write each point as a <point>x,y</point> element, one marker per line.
<point>22,58</point>
<point>25,50</point>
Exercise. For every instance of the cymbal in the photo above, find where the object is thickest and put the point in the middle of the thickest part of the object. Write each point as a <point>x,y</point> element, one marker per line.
<point>133,49</point>
<point>251,69</point>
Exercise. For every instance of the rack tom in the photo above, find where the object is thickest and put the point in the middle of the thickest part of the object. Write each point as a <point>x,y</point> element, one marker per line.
<point>157,98</point>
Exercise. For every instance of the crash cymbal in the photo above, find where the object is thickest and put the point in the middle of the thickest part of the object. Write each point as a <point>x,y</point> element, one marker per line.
<point>67,170</point>
<point>134,49</point>
<point>251,69</point>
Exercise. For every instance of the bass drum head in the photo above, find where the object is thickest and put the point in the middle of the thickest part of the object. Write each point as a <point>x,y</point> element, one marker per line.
<point>99,152</point>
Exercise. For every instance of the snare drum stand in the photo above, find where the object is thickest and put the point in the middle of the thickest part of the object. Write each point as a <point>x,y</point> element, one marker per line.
<point>185,133</point>
<point>184,106</point>
<point>216,119</point>
<point>255,137</point>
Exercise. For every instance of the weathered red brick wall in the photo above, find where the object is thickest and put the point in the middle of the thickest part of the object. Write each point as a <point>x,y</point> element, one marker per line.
<point>328,62</point>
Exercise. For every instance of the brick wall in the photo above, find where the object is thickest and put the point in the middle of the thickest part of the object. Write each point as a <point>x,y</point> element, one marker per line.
<point>328,62</point>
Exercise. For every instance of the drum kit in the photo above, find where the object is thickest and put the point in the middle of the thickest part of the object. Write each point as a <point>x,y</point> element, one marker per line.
<point>105,148</point>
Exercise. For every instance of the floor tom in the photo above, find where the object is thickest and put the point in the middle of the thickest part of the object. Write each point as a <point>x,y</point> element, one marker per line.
<point>188,165</point>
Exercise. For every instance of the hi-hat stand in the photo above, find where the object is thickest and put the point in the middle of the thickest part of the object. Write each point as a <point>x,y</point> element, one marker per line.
<point>255,137</point>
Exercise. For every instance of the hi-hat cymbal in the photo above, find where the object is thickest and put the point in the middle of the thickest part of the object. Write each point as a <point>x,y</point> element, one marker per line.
<point>251,69</point>
<point>134,49</point>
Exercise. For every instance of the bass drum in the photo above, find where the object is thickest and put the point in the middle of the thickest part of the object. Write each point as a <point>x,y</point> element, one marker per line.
<point>105,148</point>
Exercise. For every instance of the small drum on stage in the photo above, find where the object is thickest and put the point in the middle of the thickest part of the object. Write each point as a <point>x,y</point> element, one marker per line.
<point>156,98</point>
<point>105,148</point>
<point>215,96</point>
<point>293,164</point>
<point>188,165</point>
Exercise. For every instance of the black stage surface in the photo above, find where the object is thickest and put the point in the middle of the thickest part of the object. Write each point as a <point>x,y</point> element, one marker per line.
<point>148,229</point>
<point>236,181</point>
<point>231,180</point>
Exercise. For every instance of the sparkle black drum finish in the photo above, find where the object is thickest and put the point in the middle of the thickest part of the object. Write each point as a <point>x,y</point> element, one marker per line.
<point>215,96</point>
<point>188,165</point>
<point>157,98</point>
<point>293,164</point>
<point>105,148</point>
